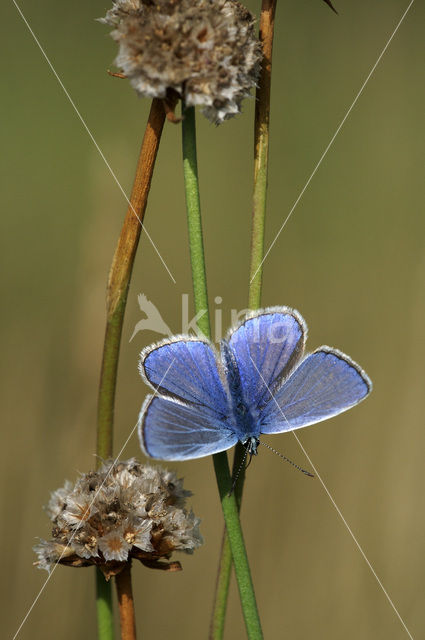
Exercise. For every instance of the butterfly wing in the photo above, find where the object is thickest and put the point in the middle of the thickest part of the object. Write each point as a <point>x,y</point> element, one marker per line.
<point>169,430</point>
<point>185,368</point>
<point>326,383</point>
<point>266,346</point>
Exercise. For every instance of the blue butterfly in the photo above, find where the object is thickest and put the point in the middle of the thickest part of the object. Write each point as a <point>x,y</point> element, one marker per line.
<point>260,383</point>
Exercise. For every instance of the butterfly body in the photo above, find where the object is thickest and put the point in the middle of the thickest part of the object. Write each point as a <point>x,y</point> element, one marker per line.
<point>243,419</point>
<point>260,383</point>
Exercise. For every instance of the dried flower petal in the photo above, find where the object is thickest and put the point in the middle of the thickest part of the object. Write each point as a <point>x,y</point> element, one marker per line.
<point>49,552</point>
<point>206,51</point>
<point>139,534</point>
<point>57,500</point>
<point>114,546</point>
<point>78,508</point>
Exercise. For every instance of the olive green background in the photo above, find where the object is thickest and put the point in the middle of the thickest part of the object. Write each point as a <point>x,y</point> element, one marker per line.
<point>351,260</point>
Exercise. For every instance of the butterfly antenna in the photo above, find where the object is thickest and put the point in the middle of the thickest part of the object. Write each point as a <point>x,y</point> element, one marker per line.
<point>235,479</point>
<point>307,473</point>
<point>250,458</point>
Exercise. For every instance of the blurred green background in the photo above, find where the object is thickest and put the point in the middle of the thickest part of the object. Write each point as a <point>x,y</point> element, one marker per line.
<point>351,260</point>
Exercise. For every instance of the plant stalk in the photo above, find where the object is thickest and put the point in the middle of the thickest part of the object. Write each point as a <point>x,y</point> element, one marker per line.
<point>261,153</point>
<point>261,156</point>
<point>126,603</point>
<point>104,608</point>
<point>116,299</point>
<point>225,563</point>
<point>120,274</point>
<point>221,466</point>
<point>194,221</point>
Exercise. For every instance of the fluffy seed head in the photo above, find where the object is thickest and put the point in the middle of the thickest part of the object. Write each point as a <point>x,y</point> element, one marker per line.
<point>125,510</point>
<point>206,51</point>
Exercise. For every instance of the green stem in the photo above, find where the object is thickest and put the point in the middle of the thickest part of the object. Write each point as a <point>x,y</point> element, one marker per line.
<point>111,350</point>
<point>221,590</point>
<point>194,222</point>
<point>225,563</point>
<point>237,546</point>
<point>118,283</point>
<point>105,629</point>
<point>261,155</point>
<point>221,466</point>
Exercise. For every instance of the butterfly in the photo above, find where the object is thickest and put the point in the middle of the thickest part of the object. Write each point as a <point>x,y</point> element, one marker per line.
<point>260,383</point>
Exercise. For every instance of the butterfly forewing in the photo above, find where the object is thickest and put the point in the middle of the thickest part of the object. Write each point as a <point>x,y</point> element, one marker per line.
<point>267,346</point>
<point>326,383</point>
<point>185,368</point>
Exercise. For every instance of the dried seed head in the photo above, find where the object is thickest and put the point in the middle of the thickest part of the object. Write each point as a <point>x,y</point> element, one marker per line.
<point>204,50</point>
<point>125,510</point>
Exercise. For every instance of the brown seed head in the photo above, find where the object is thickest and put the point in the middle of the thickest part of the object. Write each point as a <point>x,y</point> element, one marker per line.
<point>204,50</point>
<point>125,510</point>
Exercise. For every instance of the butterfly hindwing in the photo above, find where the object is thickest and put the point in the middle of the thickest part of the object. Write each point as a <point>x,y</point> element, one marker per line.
<point>169,430</point>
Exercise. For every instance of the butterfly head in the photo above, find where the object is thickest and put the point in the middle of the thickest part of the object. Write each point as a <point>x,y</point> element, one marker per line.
<point>251,445</point>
